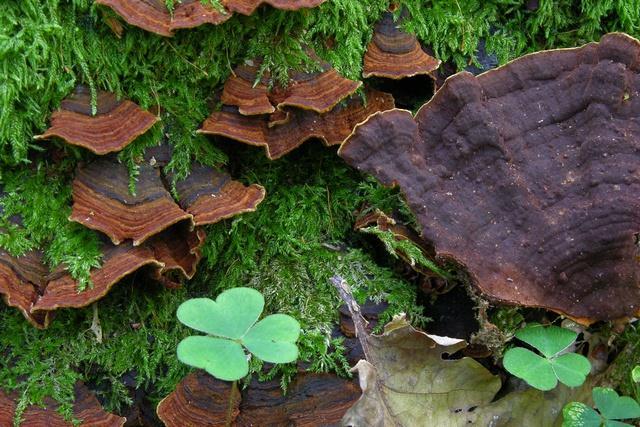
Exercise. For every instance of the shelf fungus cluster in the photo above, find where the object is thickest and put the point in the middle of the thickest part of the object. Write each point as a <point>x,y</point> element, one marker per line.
<point>86,409</point>
<point>312,399</point>
<point>154,16</point>
<point>320,105</point>
<point>528,176</point>
<point>148,229</point>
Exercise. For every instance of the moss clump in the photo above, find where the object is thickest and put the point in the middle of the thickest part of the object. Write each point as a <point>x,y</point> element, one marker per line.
<point>299,237</point>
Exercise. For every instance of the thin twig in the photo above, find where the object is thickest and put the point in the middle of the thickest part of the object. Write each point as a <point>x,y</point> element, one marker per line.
<point>356,315</point>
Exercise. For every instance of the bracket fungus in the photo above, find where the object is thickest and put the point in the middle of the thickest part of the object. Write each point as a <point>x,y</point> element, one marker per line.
<point>153,15</point>
<point>528,176</point>
<point>102,201</point>
<point>242,90</point>
<point>211,196</point>
<point>176,249</point>
<point>22,279</point>
<point>280,133</point>
<point>312,399</point>
<point>247,7</point>
<point>86,409</point>
<point>118,262</point>
<point>115,125</point>
<point>394,54</point>
<point>316,91</point>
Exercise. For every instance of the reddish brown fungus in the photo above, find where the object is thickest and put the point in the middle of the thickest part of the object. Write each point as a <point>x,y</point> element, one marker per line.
<point>153,15</point>
<point>528,176</point>
<point>247,7</point>
<point>211,196</point>
<point>174,250</point>
<point>118,262</point>
<point>177,249</point>
<point>22,279</point>
<point>317,91</point>
<point>102,201</point>
<point>115,125</point>
<point>288,131</point>
<point>242,91</point>
<point>394,54</point>
<point>311,400</point>
<point>86,409</point>
<point>199,400</point>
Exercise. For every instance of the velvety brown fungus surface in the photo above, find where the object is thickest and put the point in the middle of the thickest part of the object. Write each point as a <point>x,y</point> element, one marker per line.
<point>527,175</point>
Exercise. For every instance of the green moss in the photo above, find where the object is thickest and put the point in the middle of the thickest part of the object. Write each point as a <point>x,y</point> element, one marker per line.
<point>409,250</point>
<point>301,234</point>
<point>41,198</point>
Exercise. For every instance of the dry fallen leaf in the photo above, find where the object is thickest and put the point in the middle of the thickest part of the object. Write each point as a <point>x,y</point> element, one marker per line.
<point>407,380</point>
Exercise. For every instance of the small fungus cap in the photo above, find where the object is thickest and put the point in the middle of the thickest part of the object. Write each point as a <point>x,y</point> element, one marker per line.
<point>153,15</point>
<point>394,54</point>
<point>115,125</point>
<point>247,7</point>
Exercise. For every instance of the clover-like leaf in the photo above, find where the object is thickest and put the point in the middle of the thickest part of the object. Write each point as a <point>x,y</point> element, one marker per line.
<point>571,368</point>
<point>577,414</point>
<point>535,370</point>
<point>231,319</point>
<point>549,340</point>
<point>230,315</point>
<point>273,339</point>
<point>615,407</point>
<point>222,358</point>
<point>544,372</point>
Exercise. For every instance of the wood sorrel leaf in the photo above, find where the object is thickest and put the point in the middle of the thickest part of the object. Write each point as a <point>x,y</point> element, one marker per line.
<point>222,358</point>
<point>549,340</point>
<point>273,339</point>
<point>230,315</point>
<point>614,407</point>
<point>534,369</point>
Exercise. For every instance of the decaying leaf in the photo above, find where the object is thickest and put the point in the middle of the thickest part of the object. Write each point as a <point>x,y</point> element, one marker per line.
<point>409,380</point>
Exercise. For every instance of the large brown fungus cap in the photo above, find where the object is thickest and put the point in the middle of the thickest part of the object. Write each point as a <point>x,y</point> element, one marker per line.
<point>311,400</point>
<point>247,7</point>
<point>283,132</point>
<point>115,125</point>
<point>153,15</point>
<point>394,54</point>
<point>211,196</point>
<point>86,409</point>
<point>102,201</point>
<point>527,175</point>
